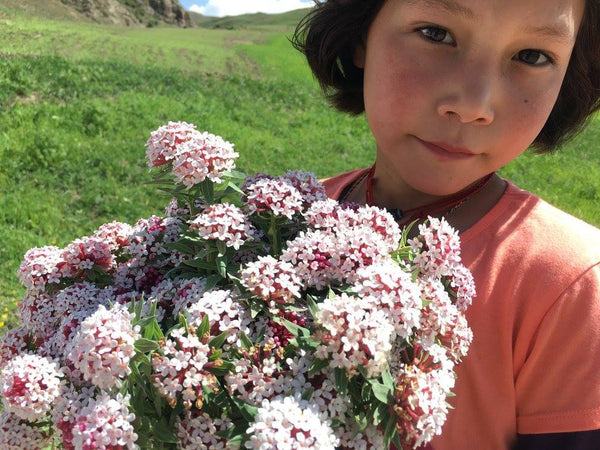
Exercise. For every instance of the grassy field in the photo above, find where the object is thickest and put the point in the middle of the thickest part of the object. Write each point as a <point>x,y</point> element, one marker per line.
<point>78,101</point>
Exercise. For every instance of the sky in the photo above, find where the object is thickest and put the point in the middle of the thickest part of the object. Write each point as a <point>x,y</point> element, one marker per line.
<point>220,8</point>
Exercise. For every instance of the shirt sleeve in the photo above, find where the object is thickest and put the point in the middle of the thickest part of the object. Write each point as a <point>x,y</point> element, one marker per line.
<point>558,387</point>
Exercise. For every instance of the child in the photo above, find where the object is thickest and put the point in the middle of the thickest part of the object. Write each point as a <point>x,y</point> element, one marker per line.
<point>453,90</point>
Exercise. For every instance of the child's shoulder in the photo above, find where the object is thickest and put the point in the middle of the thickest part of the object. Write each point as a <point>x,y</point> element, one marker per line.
<point>533,218</point>
<point>528,232</point>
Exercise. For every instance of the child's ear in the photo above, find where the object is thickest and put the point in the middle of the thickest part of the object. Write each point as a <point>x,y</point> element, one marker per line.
<point>359,56</point>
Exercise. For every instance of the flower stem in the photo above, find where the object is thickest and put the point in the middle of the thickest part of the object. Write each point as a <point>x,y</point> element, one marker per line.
<point>274,236</point>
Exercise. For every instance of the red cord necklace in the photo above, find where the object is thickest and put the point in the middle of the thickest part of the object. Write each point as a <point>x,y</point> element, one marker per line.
<point>446,204</point>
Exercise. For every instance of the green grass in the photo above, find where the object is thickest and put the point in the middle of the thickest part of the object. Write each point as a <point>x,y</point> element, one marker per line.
<point>78,101</point>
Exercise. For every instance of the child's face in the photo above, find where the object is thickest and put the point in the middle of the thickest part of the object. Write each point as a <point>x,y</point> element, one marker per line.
<point>455,89</point>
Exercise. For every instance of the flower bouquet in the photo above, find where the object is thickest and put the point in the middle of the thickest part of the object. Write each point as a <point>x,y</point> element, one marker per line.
<point>255,313</point>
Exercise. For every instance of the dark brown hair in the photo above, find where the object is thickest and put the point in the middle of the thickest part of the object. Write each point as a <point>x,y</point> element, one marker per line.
<point>331,31</point>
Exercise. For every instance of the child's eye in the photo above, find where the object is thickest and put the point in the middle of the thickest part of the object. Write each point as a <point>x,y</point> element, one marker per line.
<point>533,58</point>
<point>437,35</point>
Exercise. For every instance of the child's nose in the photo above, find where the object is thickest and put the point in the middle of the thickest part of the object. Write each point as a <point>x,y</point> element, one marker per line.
<point>469,97</point>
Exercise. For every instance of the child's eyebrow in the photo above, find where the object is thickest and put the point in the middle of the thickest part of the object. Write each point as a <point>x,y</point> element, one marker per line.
<point>558,31</point>
<point>451,6</point>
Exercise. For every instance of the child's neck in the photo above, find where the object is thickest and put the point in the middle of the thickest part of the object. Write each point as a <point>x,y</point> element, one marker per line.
<point>391,192</point>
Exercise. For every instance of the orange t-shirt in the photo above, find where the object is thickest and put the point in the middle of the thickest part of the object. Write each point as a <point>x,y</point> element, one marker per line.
<point>534,364</point>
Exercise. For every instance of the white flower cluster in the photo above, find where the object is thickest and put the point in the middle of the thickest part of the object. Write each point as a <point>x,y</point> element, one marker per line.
<point>180,372</point>
<point>194,156</point>
<point>395,292</point>
<point>103,346</point>
<point>357,332</point>
<point>38,313</point>
<point>115,234</point>
<point>277,319</point>
<point>40,267</point>
<point>223,222</point>
<point>198,432</point>
<point>16,341</point>
<point>334,251</point>
<point>105,423</point>
<point>290,423</point>
<point>18,434</point>
<point>181,294</point>
<point>272,280</point>
<point>203,156</point>
<point>29,385</point>
<point>50,265</point>
<point>274,196</point>
<point>162,145</point>
<point>67,409</point>
<point>437,247</point>
<point>421,402</point>
<point>78,297</point>
<point>148,253</point>
<point>55,346</point>
<point>311,189</point>
<point>85,254</point>
<point>266,373</point>
<point>225,313</point>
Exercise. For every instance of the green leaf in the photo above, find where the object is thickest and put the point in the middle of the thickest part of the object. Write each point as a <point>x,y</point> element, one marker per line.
<point>153,331</point>
<point>248,411</point>
<point>341,381</point>
<point>306,395</point>
<point>382,392</point>
<point>204,327</point>
<point>415,275</point>
<point>366,393</point>
<point>140,359</point>
<point>222,370</point>
<point>221,247</point>
<point>181,247</point>
<point>261,334</point>
<point>164,433</point>
<point>233,433</point>
<point>379,413</point>
<point>143,345</point>
<point>198,264</point>
<point>221,266</point>
<point>390,432</point>
<point>152,311</point>
<point>143,323</point>
<point>307,343</point>
<point>236,175</point>
<point>312,305</point>
<point>234,187</point>
<point>212,281</point>
<point>183,322</point>
<point>246,342</point>
<point>316,366</point>
<point>218,341</point>
<point>396,441</point>
<point>256,307</point>
<point>296,330</point>
<point>139,307</point>
<point>387,379</point>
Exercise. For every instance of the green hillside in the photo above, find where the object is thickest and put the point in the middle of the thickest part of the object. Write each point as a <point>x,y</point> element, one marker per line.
<point>125,12</point>
<point>45,9</point>
<point>288,19</point>
<point>78,101</point>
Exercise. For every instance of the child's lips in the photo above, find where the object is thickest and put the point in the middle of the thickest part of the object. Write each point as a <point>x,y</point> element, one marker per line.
<point>449,151</point>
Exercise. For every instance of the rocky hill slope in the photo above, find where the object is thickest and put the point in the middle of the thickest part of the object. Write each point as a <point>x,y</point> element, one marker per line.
<point>132,12</point>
